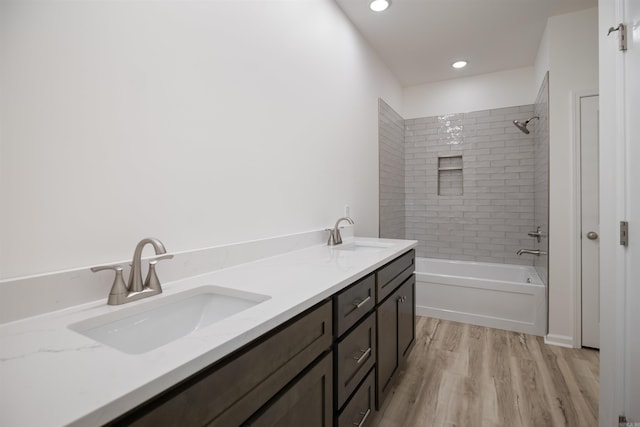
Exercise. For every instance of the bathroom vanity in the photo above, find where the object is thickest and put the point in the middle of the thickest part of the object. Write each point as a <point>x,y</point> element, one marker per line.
<point>323,349</point>
<point>315,369</point>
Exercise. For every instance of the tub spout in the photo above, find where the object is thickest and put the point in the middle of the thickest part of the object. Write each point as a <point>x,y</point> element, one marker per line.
<point>536,252</point>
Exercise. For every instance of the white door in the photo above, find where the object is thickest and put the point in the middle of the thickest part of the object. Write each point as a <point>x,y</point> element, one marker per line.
<point>590,221</point>
<point>620,201</point>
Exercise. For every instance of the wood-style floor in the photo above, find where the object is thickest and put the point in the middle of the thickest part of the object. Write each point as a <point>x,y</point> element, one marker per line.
<point>466,375</point>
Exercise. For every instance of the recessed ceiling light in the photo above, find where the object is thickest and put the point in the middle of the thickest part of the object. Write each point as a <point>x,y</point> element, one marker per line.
<point>379,5</point>
<point>459,64</point>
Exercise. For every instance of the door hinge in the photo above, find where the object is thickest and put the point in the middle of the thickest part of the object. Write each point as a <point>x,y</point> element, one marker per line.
<point>624,233</point>
<point>622,36</point>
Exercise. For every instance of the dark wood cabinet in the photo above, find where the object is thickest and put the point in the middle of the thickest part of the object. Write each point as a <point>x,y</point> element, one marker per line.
<point>360,409</point>
<point>230,391</point>
<point>353,304</point>
<point>355,356</point>
<point>329,366</point>
<point>387,346</point>
<point>406,295</point>
<point>389,277</point>
<point>395,321</point>
<point>307,402</point>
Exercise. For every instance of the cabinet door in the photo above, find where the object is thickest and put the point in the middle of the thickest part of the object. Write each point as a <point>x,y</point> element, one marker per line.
<point>406,318</point>
<point>387,327</point>
<point>307,402</point>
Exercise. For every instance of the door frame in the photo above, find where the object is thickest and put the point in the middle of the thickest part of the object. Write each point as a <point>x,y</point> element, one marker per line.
<point>576,96</point>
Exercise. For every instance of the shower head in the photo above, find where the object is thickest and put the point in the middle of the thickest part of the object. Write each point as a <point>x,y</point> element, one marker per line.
<point>523,126</point>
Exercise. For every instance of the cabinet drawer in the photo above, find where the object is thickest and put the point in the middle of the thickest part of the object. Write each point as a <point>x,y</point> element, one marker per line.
<point>227,393</point>
<point>352,304</point>
<point>307,402</point>
<point>393,274</point>
<point>359,410</point>
<point>355,355</point>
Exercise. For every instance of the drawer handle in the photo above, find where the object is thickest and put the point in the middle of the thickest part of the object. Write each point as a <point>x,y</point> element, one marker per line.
<point>365,354</point>
<point>361,303</point>
<point>364,417</point>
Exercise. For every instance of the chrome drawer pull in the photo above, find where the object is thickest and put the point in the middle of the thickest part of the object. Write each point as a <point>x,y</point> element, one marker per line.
<point>363,302</point>
<point>365,415</point>
<point>365,354</point>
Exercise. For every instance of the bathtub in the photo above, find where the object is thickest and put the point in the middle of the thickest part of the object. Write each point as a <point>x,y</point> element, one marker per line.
<point>503,296</point>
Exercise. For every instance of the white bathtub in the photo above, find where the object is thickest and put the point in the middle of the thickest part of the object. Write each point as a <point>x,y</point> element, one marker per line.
<point>503,296</point>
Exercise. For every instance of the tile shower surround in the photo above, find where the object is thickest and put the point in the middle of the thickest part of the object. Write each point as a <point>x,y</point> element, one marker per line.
<point>489,222</point>
<point>540,129</point>
<point>391,155</point>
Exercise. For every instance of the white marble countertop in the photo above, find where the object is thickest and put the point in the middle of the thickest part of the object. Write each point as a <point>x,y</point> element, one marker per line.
<point>53,376</point>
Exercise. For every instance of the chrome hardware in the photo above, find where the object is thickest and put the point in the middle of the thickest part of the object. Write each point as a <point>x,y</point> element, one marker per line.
<point>365,354</point>
<point>334,233</point>
<point>121,292</point>
<point>537,234</point>
<point>364,417</point>
<point>622,36</point>
<point>361,303</point>
<point>624,233</point>
<point>536,252</point>
<point>592,235</point>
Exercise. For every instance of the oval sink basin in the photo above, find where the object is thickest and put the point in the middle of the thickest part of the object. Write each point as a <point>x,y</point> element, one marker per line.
<point>154,323</point>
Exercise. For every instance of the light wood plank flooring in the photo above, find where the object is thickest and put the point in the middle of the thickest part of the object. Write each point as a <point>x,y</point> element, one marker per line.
<point>466,375</point>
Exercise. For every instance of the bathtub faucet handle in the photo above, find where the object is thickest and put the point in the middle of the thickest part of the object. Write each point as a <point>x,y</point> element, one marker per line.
<point>537,234</point>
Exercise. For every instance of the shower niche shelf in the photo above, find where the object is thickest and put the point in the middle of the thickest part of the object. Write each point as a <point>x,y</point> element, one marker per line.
<point>450,175</point>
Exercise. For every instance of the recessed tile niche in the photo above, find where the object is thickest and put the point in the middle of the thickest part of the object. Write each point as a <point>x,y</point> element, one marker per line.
<point>450,176</point>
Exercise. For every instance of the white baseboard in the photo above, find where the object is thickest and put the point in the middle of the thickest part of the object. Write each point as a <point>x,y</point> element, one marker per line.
<point>559,340</point>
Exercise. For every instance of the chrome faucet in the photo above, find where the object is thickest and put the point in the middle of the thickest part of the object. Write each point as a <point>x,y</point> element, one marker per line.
<point>536,252</point>
<point>122,293</point>
<point>335,238</point>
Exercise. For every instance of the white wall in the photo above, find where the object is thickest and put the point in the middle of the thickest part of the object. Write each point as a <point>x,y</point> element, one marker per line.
<point>487,91</point>
<point>541,66</point>
<point>573,63</point>
<point>200,123</point>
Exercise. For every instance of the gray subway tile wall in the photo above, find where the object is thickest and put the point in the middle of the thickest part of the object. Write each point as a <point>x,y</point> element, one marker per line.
<point>391,173</point>
<point>490,220</point>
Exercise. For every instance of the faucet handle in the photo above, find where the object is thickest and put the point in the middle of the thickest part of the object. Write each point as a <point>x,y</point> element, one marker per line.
<point>119,290</point>
<point>152,281</point>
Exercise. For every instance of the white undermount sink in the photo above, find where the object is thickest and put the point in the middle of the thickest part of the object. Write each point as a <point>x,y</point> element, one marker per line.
<point>154,323</point>
<point>363,246</point>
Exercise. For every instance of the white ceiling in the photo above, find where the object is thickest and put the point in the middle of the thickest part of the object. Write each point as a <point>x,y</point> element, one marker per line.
<point>420,39</point>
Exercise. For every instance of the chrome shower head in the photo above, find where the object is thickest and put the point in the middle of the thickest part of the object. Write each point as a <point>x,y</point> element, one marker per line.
<point>523,126</point>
